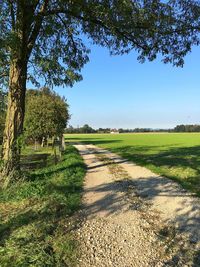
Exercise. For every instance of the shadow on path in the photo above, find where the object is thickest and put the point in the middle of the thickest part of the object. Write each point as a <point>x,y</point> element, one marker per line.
<point>185,215</point>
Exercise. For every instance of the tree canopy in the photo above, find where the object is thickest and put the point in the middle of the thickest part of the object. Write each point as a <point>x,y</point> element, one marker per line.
<point>187,128</point>
<point>84,129</point>
<point>46,114</point>
<point>54,33</point>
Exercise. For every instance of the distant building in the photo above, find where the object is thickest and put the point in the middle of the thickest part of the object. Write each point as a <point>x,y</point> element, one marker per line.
<point>114,131</point>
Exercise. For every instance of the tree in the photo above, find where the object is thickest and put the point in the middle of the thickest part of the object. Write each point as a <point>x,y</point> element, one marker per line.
<point>2,113</point>
<point>86,129</point>
<point>46,114</point>
<point>45,39</point>
<point>187,128</point>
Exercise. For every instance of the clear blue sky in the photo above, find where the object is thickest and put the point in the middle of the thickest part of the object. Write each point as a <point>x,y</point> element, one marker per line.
<point>118,91</point>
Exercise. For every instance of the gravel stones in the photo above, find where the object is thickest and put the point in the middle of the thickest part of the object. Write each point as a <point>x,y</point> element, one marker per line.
<point>120,228</point>
<point>104,242</point>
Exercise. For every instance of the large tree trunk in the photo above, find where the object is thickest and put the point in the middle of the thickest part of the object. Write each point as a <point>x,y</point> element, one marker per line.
<point>15,116</point>
<point>25,29</point>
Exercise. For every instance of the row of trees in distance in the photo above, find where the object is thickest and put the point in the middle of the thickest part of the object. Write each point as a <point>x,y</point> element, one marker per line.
<point>88,129</point>
<point>187,128</point>
<point>178,128</point>
<point>83,129</point>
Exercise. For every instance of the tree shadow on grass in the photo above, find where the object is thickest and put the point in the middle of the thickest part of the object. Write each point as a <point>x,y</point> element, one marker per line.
<point>81,138</point>
<point>184,159</point>
<point>56,170</point>
<point>34,161</point>
<point>94,141</point>
<point>174,156</point>
<point>61,201</point>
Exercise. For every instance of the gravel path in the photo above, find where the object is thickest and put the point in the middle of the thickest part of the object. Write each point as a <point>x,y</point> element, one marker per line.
<point>132,217</point>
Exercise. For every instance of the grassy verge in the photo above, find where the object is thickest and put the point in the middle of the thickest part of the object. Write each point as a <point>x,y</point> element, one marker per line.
<point>176,156</point>
<point>37,215</point>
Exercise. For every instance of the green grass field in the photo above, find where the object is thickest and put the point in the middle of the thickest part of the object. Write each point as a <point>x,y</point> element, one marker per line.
<point>174,155</point>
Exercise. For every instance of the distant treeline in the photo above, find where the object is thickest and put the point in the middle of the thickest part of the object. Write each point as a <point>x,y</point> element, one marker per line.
<point>88,129</point>
<point>178,128</point>
<point>187,128</point>
<point>142,130</point>
<point>84,129</point>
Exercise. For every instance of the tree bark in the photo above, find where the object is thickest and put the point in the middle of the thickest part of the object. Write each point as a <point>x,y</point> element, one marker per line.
<point>25,29</point>
<point>63,143</point>
<point>15,116</point>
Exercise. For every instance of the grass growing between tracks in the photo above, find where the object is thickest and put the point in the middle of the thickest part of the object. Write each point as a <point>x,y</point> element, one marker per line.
<point>37,213</point>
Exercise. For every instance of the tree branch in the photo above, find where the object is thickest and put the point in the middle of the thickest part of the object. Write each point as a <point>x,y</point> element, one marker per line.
<point>69,33</point>
<point>124,34</point>
<point>37,27</point>
<point>95,21</point>
<point>12,14</point>
<point>4,74</point>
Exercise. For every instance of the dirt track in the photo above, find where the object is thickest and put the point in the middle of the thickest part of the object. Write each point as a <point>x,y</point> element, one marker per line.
<point>134,217</point>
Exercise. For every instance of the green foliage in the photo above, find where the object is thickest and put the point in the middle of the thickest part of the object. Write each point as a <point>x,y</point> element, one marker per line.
<point>46,114</point>
<point>173,155</point>
<point>84,129</point>
<point>187,128</point>
<point>36,215</point>
<point>55,33</point>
